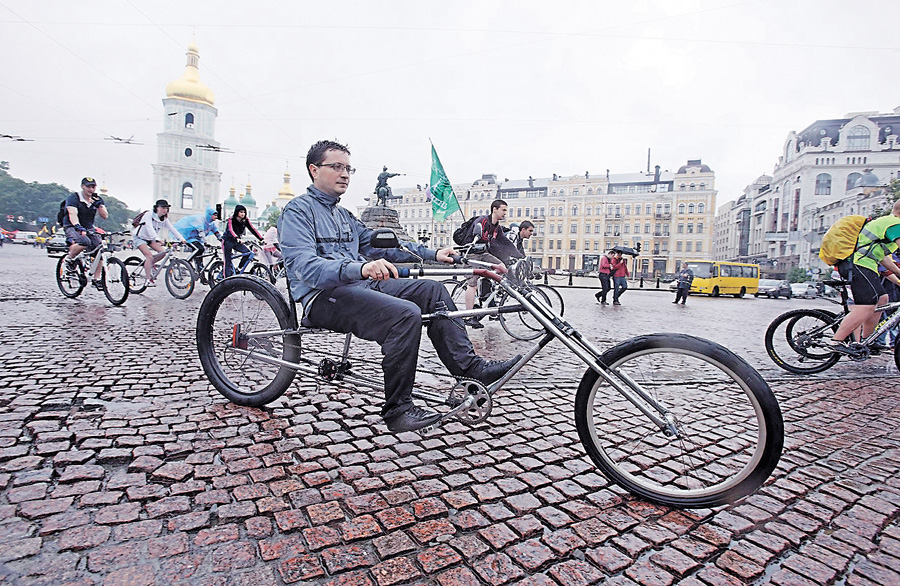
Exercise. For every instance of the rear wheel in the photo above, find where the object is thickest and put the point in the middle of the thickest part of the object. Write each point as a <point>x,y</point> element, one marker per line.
<point>457,292</point>
<point>137,277</point>
<point>796,340</point>
<point>241,322</point>
<point>115,281</point>
<point>215,273</point>
<point>180,278</point>
<point>262,271</point>
<point>522,325</point>
<point>742,292</point>
<point>70,283</point>
<point>729,427</point>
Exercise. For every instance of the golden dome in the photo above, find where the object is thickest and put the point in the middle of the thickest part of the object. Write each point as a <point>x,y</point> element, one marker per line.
<point>189,86</point>
<point>286,189</point>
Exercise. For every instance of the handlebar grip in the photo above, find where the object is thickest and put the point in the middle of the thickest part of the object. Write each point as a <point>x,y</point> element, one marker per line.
<point>456,258</point>
<point>403,272</point>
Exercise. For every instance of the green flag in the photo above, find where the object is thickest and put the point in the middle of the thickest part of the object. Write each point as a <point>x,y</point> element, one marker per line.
<point>440,192</point>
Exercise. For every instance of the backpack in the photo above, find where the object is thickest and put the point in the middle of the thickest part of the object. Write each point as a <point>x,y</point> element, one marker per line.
<point>839,242</point>
<point>138,220</point>
<point>462,235</point>
<point>61,214</point>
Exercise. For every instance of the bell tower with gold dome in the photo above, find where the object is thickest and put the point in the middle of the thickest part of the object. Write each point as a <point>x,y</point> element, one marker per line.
<point>187,169</point>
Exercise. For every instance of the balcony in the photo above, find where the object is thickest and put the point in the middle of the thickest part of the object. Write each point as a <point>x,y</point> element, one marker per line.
<point>776,236</point>
<point>663,216</point>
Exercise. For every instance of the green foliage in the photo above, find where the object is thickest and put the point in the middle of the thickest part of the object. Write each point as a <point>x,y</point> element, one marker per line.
<point>797,275</point>
<point>35,200</point>
<point>272,219</point>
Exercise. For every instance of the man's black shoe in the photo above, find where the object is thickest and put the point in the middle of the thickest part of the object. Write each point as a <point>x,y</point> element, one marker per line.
<point>98,285</point>
<point>473,323</point>
<point>488,371</point>
<point>412,419</point>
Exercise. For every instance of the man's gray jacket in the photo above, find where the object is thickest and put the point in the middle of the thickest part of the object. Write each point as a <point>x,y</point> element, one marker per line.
<point>325,246</point>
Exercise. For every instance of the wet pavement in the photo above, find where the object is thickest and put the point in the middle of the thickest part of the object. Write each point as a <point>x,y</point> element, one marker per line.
<point>119,464</point>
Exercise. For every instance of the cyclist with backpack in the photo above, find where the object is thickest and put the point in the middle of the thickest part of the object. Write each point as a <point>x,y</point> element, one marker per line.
<point>876,241</point>
<point>78,221</point>
<point>147,238</point>
<point>490,231</point>
<point>234,230</point>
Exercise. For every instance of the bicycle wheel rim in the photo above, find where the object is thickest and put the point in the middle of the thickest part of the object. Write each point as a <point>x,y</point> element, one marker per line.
<point>229,334</point>
<point>730,425</point>
<point>137,277</point>
<point>69,285</point>
<point>521,325</point>
<point>180,279</point>
<point>796,340</point>
<point>115,281</point>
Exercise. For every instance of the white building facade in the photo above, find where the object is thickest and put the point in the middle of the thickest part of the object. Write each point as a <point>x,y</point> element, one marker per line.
<point>187,170</point>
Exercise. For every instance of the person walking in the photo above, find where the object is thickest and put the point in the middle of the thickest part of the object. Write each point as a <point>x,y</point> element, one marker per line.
<point>620,277</point>
<point>603,273</point>
<point>685,277</point>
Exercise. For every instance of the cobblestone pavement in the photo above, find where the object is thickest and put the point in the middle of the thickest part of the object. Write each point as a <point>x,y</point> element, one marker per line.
<point>119,464</point>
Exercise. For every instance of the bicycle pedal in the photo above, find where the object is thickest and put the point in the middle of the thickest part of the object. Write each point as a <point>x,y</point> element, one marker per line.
<point>237,339</point>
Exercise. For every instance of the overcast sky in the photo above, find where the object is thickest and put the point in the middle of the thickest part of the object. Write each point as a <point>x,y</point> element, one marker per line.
<point>513,88</point>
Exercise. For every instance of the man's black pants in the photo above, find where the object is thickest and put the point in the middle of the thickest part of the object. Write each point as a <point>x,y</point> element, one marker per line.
<point>604,286</point>
<point>390,313</point>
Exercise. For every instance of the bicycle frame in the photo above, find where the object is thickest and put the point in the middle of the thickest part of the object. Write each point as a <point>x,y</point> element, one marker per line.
<point>520,290</point>
<point>882,327</point>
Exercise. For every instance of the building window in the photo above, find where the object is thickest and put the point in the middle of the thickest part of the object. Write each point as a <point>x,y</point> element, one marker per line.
<point>823,184</point>
<point>188,152</point>
<point>188,120</point>
<point>187,196</point>
<point>587,211</point>
<point>550,244</point>
<point>572,245</point>
<point>681,208</point>
<point>680,229</point>
<point>690,228</point>
<point>693,187</point>
<point>590,191</point>
<point>851,180</point>
<point>687,246</point>
<point>552,212</point>
<point>573,229</point>
<point>699,246</point>
<point>699,227</point>
<point>691,208</point>
<point>574,210</point>
<point>703,187</point>
<point>681,187</point>
<point>858,138</point>
<point>559,211</point>
<point>678,246</point>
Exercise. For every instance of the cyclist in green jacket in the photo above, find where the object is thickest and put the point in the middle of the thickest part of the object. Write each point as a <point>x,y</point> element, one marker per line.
<point>877,240</point>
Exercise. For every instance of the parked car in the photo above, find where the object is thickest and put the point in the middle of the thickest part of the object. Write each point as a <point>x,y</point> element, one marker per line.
<point>804,290</point>
<point>774,288</point>
<point>57,244</point>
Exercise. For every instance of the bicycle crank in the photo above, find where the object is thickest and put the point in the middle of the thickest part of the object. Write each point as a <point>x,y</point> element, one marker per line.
<point>476,402</point>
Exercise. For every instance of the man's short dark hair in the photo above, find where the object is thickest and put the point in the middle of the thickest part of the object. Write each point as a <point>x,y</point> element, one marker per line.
<point>316,153</point>
<point>497,203</point>
<point>525,225</point>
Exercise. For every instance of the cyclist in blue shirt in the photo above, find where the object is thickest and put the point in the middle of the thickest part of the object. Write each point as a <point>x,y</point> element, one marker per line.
<point>195,229</point>
<point>78,223</point>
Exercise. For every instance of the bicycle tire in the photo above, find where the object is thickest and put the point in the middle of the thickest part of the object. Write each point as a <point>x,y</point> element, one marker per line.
<point>262,271</point>
<point>137,277</point>
<point>180,278</point>
<point>115,281</point>
<point>457,292</point>
<point>521,325</point>
<point>730,424</point>
<point>252,306</point>
<point>796,347</point>
<point>555,297</point>
<point>69,285</point>
<point>215,273</point>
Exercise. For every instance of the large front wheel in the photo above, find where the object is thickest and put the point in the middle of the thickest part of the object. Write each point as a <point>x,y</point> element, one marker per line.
<point>243,322</point>
<point>115,281</point>
<point>797,340</point>
<point>729,432</point>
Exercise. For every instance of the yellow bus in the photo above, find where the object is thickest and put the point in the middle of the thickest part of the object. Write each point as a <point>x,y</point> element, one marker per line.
<point>714,277</point>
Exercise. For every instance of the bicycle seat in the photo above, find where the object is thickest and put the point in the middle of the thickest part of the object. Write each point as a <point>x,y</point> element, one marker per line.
<point>836,282</point>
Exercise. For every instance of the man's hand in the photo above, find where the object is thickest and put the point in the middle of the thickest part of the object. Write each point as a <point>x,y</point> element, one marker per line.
<point>379,270</point>
<point>444,255</point>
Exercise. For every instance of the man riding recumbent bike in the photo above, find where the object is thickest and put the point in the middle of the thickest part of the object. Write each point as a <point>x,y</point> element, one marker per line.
<point>672,418</point>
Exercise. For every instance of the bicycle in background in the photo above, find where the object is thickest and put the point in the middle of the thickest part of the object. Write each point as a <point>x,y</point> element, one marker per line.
<point>72,280</point>
<point>179,275</point>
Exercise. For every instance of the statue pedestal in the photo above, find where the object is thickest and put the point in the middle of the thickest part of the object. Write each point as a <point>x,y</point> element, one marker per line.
<point>384,217</point>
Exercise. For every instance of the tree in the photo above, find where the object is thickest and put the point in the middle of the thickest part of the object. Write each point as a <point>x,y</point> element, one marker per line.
<point>272,218</point>
<point>797,275</point>
<point>41,200</point>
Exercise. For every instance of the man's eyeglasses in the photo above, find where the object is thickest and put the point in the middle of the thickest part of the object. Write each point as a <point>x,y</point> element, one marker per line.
<point>340,167</point>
